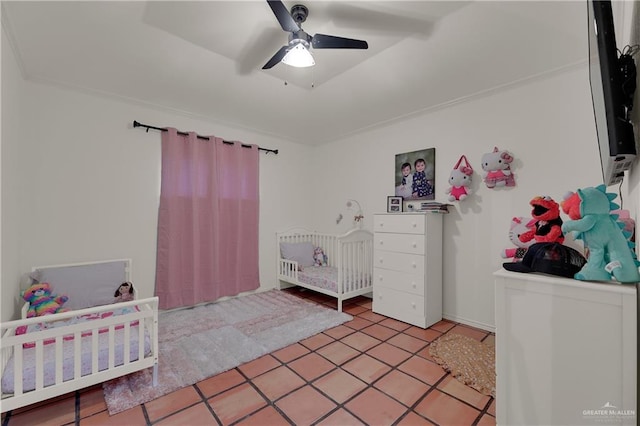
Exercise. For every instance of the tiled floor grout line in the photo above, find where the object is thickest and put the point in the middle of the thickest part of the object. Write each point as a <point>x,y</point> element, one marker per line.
<point>206,403</point>
<point>483,412</point>
<point>268,400</point>
<point>77,408</point>
<point>145,413</point>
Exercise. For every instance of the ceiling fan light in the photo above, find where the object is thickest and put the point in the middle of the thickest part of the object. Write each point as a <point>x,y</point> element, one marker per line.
<point>299,56</point>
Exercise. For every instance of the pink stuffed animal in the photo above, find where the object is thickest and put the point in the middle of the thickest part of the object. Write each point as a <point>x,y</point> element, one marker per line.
<point>519,226</point>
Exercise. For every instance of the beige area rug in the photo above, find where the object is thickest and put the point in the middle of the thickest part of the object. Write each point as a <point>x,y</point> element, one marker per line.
<point>203,341</point>
<point>468,360</point>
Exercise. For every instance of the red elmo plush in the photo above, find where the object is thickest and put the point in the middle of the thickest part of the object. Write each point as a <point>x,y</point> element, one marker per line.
<point>548,225</point>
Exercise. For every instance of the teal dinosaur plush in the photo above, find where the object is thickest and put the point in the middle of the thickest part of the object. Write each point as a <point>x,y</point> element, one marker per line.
<point>611,254</point>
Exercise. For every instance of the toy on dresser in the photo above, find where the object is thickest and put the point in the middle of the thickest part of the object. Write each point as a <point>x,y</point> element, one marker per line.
<point>610,252</point>
<point>519,226</point>
<point>547,222</point>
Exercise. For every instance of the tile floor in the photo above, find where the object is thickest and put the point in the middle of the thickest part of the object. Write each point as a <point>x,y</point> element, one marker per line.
<point>372,370</point>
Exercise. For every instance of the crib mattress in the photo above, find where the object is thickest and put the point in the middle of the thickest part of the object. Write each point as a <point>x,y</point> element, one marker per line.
<point>326,277</point>
<point>68,363</point>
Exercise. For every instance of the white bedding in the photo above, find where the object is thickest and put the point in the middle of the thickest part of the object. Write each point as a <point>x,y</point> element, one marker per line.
<point>68,345</point>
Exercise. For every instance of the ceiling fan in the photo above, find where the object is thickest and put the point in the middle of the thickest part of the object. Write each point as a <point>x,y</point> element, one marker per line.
<point>296,52</point>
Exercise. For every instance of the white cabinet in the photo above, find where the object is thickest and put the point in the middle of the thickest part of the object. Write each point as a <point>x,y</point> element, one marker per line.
<point>407,267</point>
<point>566,351</point>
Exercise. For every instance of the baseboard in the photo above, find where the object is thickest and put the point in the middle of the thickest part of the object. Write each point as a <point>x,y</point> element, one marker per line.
<point>471,323</point>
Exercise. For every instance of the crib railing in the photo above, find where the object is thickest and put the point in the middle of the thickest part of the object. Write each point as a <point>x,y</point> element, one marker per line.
<point>327,242</point>
<point>356,262</point>
<point>143,322</point>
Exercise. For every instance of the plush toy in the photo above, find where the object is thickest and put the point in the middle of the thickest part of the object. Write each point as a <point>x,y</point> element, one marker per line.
<point>496,169</point>
<point>319,258</point>
<point>460,180</point>
<point>124,293</point>
<point>548,224</point>
<point>610,252</point>
<point>519,225</point>
<point>42,301</point>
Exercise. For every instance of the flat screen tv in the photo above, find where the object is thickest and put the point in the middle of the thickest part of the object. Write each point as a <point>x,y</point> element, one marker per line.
<point>614,130</point>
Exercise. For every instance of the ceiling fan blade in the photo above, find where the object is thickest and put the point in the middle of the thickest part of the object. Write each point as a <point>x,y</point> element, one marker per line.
<point>284,17</point>
<point>323,41</point>
<point>275,59</point>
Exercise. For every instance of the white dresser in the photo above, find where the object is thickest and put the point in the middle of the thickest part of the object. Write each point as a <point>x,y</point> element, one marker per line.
<point>566,351</point>
<point>407,267</point>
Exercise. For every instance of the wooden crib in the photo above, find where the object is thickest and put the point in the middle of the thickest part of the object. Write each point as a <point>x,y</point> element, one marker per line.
<point>347,268</point>
<point>47,356</point>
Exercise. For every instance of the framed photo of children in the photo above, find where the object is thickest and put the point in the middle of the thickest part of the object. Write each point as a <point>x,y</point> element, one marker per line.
<point>394,204</point>
<point>415,177</point>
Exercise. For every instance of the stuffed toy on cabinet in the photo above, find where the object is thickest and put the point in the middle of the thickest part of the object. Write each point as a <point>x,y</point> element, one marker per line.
<point>519,226</point>
<point>548,224</point>
<point>610,252</point>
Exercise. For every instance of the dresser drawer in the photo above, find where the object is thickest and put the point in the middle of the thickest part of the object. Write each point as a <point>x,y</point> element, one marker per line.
<point>398,304</point>
<point>404,243</point>
<point>401,223</point>
<point>403,281</point>
<point>409,263</point>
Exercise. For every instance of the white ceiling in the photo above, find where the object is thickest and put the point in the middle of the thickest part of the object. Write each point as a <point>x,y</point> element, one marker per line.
<point>204,58</point>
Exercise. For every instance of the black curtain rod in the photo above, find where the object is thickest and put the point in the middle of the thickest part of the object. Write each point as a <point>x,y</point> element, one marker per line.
<point>138,124</point>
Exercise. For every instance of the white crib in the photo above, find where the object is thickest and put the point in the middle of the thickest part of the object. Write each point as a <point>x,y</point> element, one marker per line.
<point>349,269</point>
<point>47,356</point>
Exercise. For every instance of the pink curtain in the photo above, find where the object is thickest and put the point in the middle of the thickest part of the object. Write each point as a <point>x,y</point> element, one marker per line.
<point>208,220</point>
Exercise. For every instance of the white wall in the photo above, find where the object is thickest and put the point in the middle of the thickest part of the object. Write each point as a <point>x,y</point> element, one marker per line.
<point>547,124</point>
<point>93,181</point>
<point>13,179</point>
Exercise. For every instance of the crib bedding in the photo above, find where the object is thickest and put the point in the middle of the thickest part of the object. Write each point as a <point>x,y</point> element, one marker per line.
<point>68,348</point>
<point>326,277</point>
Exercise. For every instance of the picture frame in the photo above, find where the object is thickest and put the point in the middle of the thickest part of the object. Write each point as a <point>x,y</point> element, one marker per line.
<point>394,204</point>
<point>415,175</point>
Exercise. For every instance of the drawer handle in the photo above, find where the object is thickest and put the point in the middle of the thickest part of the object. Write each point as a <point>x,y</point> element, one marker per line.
<point>381,261</point>
<point>413,284</point>
<point>415,245</point>
<point>413,264</point>
<point>381,242</point>
<point>380,278</point>
<point>413,305</point>
<point>414,225</point>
